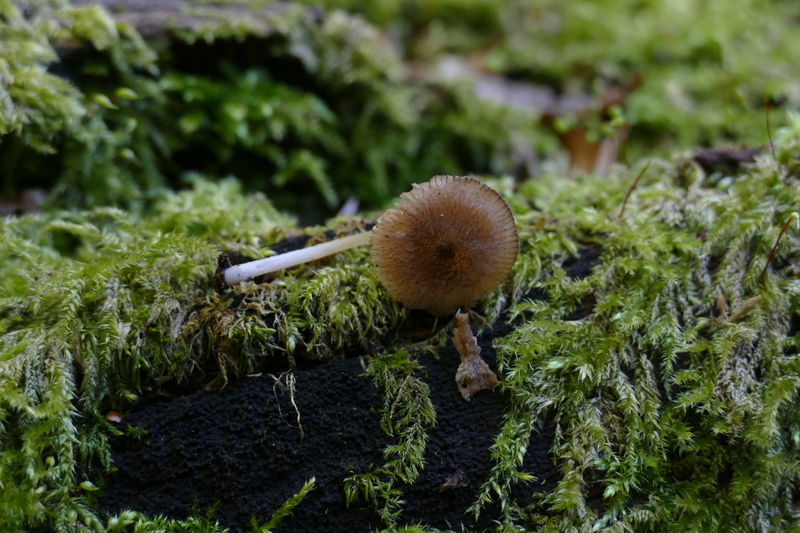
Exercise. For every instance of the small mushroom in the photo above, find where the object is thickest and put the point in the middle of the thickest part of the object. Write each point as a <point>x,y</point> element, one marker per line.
<point>445,245</point>
<point>448,243</point>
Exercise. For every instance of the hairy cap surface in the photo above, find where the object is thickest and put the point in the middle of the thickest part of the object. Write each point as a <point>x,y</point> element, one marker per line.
<point>446,244</point>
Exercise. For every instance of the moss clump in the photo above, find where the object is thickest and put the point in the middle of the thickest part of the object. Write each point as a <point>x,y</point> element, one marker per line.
<point>668,414</point>
<point>101,306</point>
<point>408,414</point>
<point>313,107</point>
<point>87,143</point>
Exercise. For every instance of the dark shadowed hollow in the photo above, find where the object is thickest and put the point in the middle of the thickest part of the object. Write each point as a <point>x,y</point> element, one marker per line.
<point>240,447</point>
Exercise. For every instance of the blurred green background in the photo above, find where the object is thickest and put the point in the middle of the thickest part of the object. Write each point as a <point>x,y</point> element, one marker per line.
<point>314,103</point>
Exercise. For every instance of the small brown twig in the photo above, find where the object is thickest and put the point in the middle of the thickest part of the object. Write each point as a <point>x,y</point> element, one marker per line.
<point>635,183</point>
<point>775,246</point>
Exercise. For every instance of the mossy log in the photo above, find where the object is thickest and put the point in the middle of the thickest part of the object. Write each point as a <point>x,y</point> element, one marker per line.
<point>654,348</point>
<point>666,365</point>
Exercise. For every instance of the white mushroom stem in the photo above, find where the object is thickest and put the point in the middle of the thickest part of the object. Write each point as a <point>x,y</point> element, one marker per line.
<point>246,271</point>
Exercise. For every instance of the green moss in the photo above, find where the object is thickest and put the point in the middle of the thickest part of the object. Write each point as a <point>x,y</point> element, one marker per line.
<point>35,104</point>
<point>407,415</point>
<point>89,324</point>
<point>683,419</point>
<point>679,412</point>
<point>314,113</point>
<point>674,396</point>
<point>680,416</point>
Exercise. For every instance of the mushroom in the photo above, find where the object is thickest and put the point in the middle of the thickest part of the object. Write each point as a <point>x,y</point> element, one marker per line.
<point>448,243</point>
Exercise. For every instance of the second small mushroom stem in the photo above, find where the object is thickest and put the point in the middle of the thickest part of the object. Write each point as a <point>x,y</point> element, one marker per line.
<point>246,271</point>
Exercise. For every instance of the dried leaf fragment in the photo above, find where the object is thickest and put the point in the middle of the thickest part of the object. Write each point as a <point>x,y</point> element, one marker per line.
<point>473,373</point>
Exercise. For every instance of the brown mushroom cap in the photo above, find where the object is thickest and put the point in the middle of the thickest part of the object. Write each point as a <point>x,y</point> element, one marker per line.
<point>448,243</point>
